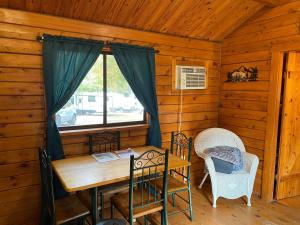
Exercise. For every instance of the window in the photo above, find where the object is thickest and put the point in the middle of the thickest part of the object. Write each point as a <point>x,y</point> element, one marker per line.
<point>104,98</point>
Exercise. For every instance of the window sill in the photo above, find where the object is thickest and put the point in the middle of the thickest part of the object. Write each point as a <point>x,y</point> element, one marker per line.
<point>100,129</point>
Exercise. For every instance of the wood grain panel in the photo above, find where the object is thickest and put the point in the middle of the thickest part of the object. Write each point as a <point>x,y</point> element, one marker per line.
<point>9,45</point>
<point>245,95</point>
<point>289,153</point>
<point>21,102</point>
<point>19,116</point>
<point>212,20</point>
<point>251,124</point>
<point>21,129</point>
<point>22,142</point>
<point>243,104</point>
<point>251,45</point>
<point>21,156</point>
<point>21,75</point>
<point>24,167</point>
<point>20,60</point>
<point>243,113</point>
<point>23,180</point>
<point>19,89</point>
<point>19,206</point>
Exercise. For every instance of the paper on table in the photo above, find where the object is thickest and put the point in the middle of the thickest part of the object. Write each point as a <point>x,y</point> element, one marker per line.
<point>105,157</point>
<point>125,154</point>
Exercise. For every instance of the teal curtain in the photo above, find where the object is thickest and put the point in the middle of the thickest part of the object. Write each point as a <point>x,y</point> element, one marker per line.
<point>138,67</point>
<point>66,61</point>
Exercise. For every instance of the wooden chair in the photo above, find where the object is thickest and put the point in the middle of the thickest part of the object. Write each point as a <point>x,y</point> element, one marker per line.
<point>61,211</point>
<point>98,143</point>
<point>179,180</point>
<point>142,200</point>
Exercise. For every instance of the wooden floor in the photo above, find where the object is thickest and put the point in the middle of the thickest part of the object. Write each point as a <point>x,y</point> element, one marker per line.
<point>291,202</point>
<point>235,212</point>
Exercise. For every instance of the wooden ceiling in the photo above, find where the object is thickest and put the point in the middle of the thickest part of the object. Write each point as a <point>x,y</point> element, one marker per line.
<point>202,19</point>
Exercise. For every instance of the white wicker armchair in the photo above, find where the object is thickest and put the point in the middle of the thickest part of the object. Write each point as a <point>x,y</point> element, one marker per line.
<point>231,186</point>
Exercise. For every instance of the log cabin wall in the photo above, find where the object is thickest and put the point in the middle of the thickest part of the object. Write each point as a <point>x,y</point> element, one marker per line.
<point>243,106</point>
<point>22,100</point>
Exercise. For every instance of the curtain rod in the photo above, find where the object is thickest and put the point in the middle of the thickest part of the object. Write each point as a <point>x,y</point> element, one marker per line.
<point>41,39</point>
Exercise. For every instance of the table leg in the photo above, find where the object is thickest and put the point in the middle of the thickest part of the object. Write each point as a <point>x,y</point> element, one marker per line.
<point>94,206</point>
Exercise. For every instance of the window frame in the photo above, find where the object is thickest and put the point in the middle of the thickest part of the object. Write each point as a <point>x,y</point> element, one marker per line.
<point>105,124</point>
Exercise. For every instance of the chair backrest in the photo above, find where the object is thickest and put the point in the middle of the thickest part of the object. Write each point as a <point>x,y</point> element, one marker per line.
<point>106,141</point>
<point>181,146</point>
<point>145,170</point>
<point>48,207</point>
<point>217,137</point>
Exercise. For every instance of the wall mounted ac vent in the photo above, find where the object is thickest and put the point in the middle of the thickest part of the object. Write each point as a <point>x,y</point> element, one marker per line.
<point>191,77</point>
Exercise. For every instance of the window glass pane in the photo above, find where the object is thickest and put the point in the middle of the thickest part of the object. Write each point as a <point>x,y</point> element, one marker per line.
<point>122,105</point>
<point>86,105</point>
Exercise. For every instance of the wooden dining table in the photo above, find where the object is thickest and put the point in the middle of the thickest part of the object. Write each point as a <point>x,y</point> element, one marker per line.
<point>85,172</point>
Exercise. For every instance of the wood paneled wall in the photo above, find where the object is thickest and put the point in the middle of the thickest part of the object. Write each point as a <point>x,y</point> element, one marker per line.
<point>22,100</point>
<point>244,106</point>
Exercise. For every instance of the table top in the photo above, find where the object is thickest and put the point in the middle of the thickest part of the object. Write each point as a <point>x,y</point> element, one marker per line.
<point>83,172</point>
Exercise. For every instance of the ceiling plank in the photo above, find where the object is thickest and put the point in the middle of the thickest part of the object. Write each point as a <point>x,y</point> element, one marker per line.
<point>160,10</point>
<point>216,12</point>
<point>175,16</point>
<point>205,11</point>
<point>234,20</point>
<point>186,21</point>
<point>168,14</point>
<point>128,15</point>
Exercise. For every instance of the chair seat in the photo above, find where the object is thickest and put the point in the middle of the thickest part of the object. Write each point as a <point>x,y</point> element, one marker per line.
<point>173,184</point>
<point>121,202</point>
<point>69,208</point>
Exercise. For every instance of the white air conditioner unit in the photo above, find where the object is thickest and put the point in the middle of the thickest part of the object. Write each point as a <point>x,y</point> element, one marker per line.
<point>191,77</point>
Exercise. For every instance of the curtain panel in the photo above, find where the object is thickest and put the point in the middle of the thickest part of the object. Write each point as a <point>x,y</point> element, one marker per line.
<point>66,61</point>
<point>138,67</point>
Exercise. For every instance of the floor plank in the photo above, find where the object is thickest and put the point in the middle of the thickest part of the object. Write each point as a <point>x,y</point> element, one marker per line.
<point>291,202</point>
<point>233,212</point>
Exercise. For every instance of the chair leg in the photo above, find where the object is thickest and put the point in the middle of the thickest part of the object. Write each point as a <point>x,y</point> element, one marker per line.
<point>173,199</point>
<point>203,180</point>
<point>164,216</point>
<point>214,202</point>
<point>131,221</point>
<point>190,203</point>
<point>249,200</point>
<point>145,220</point>
<point>112,211</point>
<point>102,205</point>
<point>94,201</point>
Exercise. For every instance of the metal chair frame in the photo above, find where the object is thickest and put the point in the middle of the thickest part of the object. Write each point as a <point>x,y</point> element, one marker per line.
<point>48,211</point>
<point>145,169</point>
<point>182,146</point>
<point>105,141</point>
